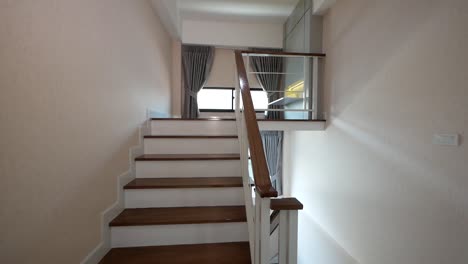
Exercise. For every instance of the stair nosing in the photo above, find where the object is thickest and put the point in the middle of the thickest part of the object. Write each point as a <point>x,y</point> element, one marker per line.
<point>187,186</point>
<point>176,157</point>
<point>198,119</point>
<point>190,137</point>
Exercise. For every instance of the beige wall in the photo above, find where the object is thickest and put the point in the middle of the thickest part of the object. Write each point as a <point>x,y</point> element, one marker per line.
<point>396,73</point>
<point>76,78</point>
<point>232,33</point>
<point>224,68</point>
<point>176,84</point>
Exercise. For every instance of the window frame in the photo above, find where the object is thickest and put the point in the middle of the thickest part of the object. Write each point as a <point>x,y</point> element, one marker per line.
<point>233,90</point>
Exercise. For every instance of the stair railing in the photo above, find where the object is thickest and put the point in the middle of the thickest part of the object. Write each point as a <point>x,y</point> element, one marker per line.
<point>261,223</point>
<point>301,74</point>
<point>258,212</point>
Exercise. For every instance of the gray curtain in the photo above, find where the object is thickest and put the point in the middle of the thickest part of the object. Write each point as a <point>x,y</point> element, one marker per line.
<point>269,82</point>
<point>196,63</point>
<point>273,146</point>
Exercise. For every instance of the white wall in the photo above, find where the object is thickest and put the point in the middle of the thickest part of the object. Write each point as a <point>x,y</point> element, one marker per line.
<point>315,245</point>
<point>234,34</point>
<point>169,14</point>
<point>176,82</point>
<point>322,6</point>
<point>396,73</point>
<point>76,79</point>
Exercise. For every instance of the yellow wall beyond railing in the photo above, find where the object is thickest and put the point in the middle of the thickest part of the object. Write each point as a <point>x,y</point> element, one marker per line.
<point>295,90</point>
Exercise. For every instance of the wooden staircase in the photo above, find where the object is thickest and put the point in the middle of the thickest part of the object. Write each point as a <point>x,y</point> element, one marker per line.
<point>192,201</point>
<point>186,204</point>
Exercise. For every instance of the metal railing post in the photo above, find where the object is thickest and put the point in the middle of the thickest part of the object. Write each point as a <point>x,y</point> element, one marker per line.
<point>315,82</point>
<point>307,86</point>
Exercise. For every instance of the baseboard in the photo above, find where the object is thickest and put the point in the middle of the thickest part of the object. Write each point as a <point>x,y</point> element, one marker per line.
<point>110,213</point>
<point>115,209</point>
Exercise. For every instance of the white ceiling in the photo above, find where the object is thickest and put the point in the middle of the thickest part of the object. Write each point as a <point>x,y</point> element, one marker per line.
<point>251,10</point>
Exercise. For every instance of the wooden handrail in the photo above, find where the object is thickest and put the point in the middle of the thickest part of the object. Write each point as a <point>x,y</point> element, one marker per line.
<point>282,53</point>
<point>286,204</point>
<point>259,165</point>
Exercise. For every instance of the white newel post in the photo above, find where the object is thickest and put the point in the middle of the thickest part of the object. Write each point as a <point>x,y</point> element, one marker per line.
<point>292,245</point>
<point>283,236</point>
<point>262,228</point>
<point>287,237</point>
<point>258,201</point>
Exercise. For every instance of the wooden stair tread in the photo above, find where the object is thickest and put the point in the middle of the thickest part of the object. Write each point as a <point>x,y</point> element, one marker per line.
<point>155,157</point>
<point>222,253</point>
<point>169,183</point>
<point>180,215</point>
<point>233,119</point>
<point>191,136</point>
<point>291,120</point>
<point>192,119</point>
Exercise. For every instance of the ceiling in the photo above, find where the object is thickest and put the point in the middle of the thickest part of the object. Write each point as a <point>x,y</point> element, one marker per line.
<point>251,10</point>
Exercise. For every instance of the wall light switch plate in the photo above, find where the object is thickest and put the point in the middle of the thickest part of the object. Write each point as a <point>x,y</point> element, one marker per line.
<point>446,139</point>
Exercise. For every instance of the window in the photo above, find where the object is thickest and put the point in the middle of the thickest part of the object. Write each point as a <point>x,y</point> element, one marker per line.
<point>220,99</point>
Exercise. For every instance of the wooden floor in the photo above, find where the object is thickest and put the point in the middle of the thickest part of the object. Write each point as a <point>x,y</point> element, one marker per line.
<point>226,253</point>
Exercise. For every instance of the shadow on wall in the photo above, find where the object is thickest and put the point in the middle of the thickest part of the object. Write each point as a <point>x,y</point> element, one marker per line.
<point>395,74</point>
<point>316,246</point>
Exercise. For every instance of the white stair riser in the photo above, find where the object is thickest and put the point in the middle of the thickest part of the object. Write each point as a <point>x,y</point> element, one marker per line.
<point>180,127</point>
<point>187,168</point>
<point>161,235</point>
<point>152,198</point>
<point>191,146</point>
